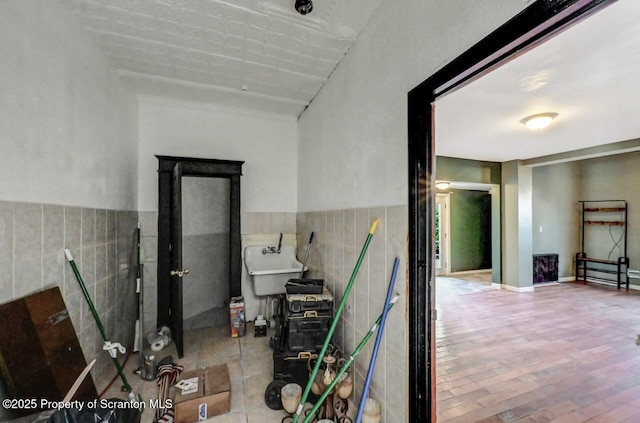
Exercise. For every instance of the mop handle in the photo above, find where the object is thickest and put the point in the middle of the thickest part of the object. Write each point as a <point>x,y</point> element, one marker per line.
<point>138,255</point>
<point>126,387</point>
<point>348,363</point>
<point>334,323</point>
<point>376,345</point>
<point>306,255</point>
<point>83,287</point>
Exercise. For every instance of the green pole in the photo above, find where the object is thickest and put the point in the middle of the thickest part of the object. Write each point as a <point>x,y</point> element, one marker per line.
<point>334,323</point>
<point>347,364</point>
<point>126,387</point>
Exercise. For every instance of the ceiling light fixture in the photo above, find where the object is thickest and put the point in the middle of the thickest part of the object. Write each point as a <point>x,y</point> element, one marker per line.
<point>442,184</point>
<point>304,6</point>
<point>538,121</point>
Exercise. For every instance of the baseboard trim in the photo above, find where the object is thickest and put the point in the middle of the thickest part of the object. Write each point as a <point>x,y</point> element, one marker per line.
<point>466,272</point>
<point>517,288</point>
<point>541,284</point>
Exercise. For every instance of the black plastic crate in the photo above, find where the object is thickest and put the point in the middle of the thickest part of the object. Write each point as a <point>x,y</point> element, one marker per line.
<point>304,286</point>
<point>308,330</point>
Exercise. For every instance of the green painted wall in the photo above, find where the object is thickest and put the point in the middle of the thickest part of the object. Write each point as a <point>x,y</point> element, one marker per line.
<point>463,170</point>
<point>470,230</point>
<point>482,172</point>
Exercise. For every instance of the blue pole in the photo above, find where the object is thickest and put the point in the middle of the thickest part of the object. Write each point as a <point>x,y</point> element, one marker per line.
<point>376,346</point>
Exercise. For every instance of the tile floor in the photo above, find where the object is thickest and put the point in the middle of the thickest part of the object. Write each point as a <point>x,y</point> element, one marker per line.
<point>250,365</point>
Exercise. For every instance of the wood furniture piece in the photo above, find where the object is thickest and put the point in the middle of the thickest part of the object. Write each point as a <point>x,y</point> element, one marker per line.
<point>40,356</point>
<point>603,214</point>
<point>545,268</point>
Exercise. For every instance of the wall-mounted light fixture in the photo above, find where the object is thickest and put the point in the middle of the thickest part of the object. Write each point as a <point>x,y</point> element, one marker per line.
<point>538,121</point>
<point>304,6</point>
<point>442,184</point>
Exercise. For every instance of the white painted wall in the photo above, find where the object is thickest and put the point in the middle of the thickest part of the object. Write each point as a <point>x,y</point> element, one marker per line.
<point>353,136</point>
<point>267,144</point>
<point>68,128</point>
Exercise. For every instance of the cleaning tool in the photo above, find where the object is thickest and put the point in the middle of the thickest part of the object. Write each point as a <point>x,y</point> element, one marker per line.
<point>112,347</point>
<point>345,366</point>
<point>137,342</point>
<point>376,345</point>
<point>334,323</point>
<point>306,255</point>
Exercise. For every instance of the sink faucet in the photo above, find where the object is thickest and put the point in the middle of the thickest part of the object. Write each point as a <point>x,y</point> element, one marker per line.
<point>272,249</point>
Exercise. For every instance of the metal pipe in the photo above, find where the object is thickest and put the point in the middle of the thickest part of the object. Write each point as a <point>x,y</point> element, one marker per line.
<point>334,323</point>
<point>376,345</point>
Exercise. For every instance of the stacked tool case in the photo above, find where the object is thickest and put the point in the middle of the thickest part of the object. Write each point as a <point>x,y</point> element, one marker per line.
<point>308,318</point>
<point>302,323</point>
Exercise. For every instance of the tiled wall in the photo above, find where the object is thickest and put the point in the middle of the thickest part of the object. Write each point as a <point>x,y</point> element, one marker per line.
<point>339,237</point>
<point>32,242</point>
<point>251,223</point>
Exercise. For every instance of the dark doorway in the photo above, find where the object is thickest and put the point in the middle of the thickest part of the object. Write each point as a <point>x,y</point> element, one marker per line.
<point>537,23</point>
<point>171,171</point>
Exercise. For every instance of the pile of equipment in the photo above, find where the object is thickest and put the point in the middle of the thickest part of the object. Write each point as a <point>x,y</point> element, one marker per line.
<point>302,320</point>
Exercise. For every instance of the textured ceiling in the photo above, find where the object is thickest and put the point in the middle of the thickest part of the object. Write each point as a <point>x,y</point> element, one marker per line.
<point>588,74</point>
<point>254,54</point>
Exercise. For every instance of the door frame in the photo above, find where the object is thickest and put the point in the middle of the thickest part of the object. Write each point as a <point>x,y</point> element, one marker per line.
<point>445,246</point>
<point>535,24</point>
<point>168,208</point>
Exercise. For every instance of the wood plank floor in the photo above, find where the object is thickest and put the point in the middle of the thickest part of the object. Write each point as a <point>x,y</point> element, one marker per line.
<point>564,353</point>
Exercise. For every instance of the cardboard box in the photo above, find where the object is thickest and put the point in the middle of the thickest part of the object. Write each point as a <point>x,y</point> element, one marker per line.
<point>236,314</point>
<point>211,396</point>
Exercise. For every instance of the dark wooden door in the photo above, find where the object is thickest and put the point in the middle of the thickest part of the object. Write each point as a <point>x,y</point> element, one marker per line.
<point>177,273</point>
<point>171,274</point>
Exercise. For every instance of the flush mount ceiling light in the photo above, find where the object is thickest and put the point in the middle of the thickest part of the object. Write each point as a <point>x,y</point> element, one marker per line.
<point>442,184</point>
<point>538,121</point>
<point>304,6</point>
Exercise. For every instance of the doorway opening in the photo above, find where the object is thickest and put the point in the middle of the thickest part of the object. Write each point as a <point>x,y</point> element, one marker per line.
<point>441,235</point>
<point>198,221</point>
<point>205,251</point>
<point>537,23</point>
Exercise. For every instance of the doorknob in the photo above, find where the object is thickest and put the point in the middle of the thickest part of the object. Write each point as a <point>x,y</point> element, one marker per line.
<point>179,273</point>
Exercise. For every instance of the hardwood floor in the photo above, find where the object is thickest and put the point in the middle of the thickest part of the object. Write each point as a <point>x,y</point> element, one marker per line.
<point>563,353</point>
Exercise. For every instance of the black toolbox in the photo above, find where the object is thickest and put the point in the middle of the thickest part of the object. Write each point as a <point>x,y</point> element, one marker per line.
<point>289,367</point>
<point>293,366</point>
<point>297,303</point>
<point>302,325</point>
<point>306,331</point>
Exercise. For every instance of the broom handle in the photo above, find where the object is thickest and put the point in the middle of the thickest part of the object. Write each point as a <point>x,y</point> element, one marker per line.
<point>334,323</point>
<point>376,345</point>
<point>306,255</point>
<point>348,363</point>
<point>126,387</point>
